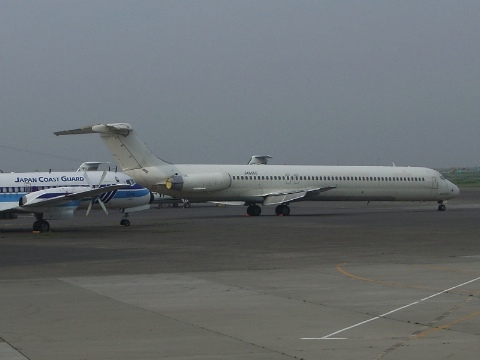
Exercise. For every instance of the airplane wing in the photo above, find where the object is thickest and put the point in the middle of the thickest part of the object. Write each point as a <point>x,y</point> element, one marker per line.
<point>289,196</point>
<point>6,207</point>
<point>59,196</point>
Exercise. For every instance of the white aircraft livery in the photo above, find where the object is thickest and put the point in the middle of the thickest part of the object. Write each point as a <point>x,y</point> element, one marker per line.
<point>56,195</point>
<point>268,184</point>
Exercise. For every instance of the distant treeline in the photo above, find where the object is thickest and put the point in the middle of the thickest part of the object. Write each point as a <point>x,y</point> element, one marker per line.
<point>463,178</point>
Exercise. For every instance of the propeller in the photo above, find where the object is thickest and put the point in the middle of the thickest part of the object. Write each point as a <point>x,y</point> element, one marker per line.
<point>97,198</point>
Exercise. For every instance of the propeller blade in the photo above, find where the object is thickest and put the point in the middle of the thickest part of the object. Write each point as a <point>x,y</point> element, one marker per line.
<point>89,207</point>
<point>102,178</point>
<point>102,205</point>
<point>85,175</point>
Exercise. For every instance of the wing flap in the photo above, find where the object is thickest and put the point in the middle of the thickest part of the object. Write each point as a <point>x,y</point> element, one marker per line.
<point>289,196</point>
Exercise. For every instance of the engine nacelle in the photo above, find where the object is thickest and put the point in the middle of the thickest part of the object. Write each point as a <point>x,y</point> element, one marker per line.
<point>38,196</point>
<point>199,182</point>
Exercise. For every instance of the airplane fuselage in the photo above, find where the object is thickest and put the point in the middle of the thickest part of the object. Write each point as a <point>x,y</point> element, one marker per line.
<point>250,183</point>
<point>14,186</point>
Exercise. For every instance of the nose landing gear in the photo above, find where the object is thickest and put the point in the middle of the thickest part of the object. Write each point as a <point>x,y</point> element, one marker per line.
<point>441,206</point>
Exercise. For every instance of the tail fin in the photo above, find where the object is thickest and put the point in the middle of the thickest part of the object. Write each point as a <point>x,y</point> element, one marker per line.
<point>127,148</point>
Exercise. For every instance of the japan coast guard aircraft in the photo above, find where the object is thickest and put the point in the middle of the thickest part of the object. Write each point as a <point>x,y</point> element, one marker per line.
<point>277,185</point>
<point>56,195</point>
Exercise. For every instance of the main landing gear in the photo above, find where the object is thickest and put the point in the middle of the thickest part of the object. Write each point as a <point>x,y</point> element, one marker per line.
<point>254,210</point>
<point>125,221</point>
<point>280,210</point>
<point>441,206</point>
<point>41,225</point>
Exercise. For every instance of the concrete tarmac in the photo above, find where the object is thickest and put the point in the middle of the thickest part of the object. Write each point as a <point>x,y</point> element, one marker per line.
<point>336,280</point>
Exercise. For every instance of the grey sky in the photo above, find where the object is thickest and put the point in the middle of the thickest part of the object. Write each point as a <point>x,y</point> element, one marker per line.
<point>308,82</point>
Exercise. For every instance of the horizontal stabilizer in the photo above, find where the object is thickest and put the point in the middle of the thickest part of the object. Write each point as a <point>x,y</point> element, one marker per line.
<point>119,128</point>
<point>129,151</point>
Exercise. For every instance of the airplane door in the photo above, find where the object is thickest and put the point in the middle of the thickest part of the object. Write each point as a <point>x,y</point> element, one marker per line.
<point>288,178</point>
<point>434,182</point>
<point>296,179</point>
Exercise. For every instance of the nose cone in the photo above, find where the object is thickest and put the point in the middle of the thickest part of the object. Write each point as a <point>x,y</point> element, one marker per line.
<point>453,189</point>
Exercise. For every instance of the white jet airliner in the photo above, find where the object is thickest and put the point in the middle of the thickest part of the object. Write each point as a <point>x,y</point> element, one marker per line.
<point>56,195</point>
<point>268,185</point>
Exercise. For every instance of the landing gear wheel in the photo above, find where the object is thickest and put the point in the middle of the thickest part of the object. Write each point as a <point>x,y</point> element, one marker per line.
<point>44,226</point>
<point>187,205</point>
<point>36,225</point>
<point>282,210</point>
<point>41,225</point>
<point>125,222</point>
<point>441,206</point>
<point>254,210</point>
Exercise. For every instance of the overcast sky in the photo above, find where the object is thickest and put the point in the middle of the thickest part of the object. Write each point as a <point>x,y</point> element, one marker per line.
<point>307,82</point>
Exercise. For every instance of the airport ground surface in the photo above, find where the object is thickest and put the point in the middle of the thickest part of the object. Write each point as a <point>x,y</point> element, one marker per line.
<point>332,281</point>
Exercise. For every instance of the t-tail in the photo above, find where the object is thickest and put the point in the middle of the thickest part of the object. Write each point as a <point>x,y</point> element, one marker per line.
<point>128,150</point>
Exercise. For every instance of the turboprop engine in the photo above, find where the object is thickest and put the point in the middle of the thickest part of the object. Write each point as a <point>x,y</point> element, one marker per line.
<point>199,182</point>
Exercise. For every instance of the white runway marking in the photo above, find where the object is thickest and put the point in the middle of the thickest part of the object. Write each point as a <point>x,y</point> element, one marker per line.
<point>329,336</point>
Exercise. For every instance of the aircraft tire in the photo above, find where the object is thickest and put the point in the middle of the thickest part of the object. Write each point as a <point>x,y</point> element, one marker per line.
<point>254,210</point>
<point>44,226</point>
<point>125,222</point>
<point>442,207</point>
<point>36,226</point>
<point>282,210</point>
